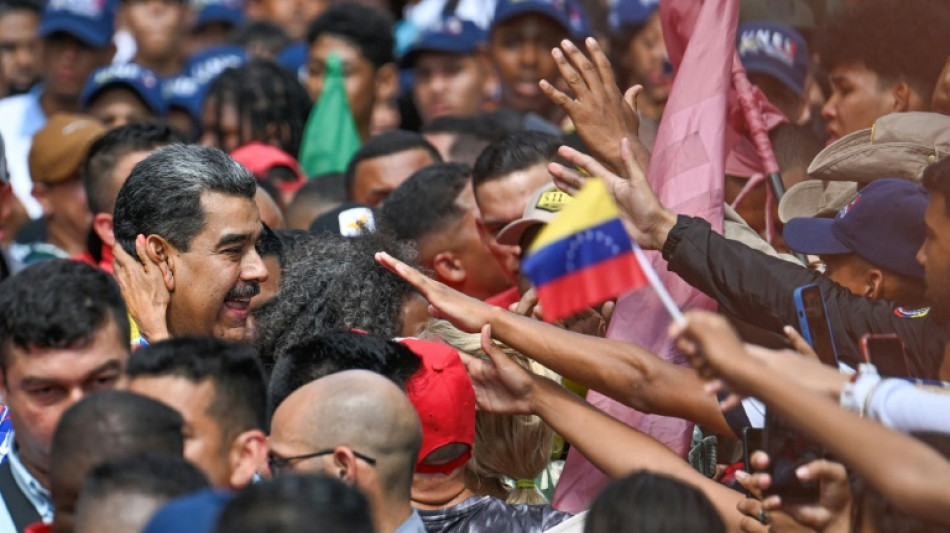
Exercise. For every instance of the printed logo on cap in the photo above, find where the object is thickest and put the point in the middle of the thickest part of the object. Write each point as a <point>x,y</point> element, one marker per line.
<point>354,222</point>
<point>903,312</point>
<point>553,200</point>
<point>83,8</point>
<point>126,71</point>
<point>450,26</point>
<point>851,205</point>
<point>769,42</point>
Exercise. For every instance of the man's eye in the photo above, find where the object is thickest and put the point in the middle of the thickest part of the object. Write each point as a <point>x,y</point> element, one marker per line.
<point>104,381</point>
<point>44,393</point>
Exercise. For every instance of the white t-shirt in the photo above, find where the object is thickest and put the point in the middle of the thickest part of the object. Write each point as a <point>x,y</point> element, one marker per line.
<point>22,118</point>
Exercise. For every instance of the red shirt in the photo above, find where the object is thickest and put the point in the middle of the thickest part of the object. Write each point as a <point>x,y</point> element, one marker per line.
<point>38,527</point>
<point>104,264</point>
<point>505,299</point>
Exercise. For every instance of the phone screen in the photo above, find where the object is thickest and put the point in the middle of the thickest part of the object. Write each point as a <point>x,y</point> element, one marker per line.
<point>886,352</point>
<point>818,325</point>
<point>787,451</point>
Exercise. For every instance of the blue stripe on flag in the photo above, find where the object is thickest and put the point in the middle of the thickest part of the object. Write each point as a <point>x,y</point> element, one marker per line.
<point>578,251</point>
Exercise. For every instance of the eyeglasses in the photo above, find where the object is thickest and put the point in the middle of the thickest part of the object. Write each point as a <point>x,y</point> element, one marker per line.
<point>279,465</point>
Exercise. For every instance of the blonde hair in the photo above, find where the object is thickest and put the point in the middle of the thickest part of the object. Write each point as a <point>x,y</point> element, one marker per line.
<point>509,451</point>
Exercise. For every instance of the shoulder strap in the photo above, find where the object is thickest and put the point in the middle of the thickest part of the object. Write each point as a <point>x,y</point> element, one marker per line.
<point>19,506</point>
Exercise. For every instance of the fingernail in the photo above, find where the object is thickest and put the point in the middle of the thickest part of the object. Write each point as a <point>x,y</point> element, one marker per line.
<point>741,475</point>
<point>802,472</point>
<point>591,41</point>
<point>567,44</point>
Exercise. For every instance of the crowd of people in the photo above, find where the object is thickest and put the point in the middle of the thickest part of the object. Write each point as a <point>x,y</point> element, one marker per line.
<point>261,266</point>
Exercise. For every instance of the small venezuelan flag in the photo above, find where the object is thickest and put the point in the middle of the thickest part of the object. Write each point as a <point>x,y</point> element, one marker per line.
<point>584,257</point>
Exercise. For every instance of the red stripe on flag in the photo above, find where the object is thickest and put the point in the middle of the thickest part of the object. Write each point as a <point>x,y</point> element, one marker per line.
<point>593,285</point>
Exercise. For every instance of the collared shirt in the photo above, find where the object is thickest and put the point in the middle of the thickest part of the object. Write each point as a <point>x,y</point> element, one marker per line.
<point>38,495</point>
<point>22,118</point>
<point>413,524</point>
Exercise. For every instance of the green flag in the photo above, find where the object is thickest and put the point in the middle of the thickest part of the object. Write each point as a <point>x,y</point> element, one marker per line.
<point>330,137</point>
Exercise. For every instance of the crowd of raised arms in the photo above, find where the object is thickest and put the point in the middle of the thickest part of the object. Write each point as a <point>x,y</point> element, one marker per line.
<point>474,266</point>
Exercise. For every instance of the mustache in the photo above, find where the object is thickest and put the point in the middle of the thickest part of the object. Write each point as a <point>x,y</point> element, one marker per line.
<point>248,289</point>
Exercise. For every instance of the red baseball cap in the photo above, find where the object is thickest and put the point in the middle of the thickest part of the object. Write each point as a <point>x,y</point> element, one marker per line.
<point>259,158</point>
<point>444,398</point>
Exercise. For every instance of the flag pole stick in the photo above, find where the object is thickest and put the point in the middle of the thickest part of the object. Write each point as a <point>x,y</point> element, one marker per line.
<point>658,287</point>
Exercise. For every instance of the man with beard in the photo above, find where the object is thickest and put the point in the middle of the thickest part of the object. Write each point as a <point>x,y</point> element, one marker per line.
<point>188,214</point>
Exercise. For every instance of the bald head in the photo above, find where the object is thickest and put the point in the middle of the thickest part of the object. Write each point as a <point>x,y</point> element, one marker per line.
<point>359,409</point>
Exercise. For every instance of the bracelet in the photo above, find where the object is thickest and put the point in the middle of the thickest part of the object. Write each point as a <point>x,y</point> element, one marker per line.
<point>857,392</point>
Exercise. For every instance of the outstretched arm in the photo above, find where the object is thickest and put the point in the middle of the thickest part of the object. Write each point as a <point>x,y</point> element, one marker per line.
<point>913,476</point>
<point>623,371</point>
<point>502,386</point>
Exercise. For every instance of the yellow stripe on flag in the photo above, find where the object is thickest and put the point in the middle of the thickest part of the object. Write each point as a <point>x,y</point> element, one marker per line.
<point>591,207</point>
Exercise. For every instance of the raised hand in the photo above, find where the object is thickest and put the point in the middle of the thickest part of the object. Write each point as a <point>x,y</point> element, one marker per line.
<point>502,386</point>
<point>143,289</point>
<point>714,349</point>
<point>464,312</point>
<point>647,221</point>
<point>600,113</point>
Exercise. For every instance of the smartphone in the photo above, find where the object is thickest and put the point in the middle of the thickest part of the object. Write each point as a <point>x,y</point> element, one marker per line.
<point>787,451</point>
<point>886,352</point>
<point>813,323</point>
<point>752,440</point>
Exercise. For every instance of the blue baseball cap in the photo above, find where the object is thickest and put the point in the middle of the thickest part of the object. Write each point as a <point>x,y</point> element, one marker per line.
<point>294,58</point>
<point>206,65</point>
<point>182,92</point>
<point>775,49</point>
<point>568,13</point>
<point>142,81</point>
<point>225,11</point>
<point>195,513</point>
<point>626,14</point>
<point>883,223</point>
<point>90,21</point>
<point>451,35</point>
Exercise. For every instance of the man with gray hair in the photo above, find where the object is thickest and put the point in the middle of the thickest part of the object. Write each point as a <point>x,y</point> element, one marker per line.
<point>187,213</point>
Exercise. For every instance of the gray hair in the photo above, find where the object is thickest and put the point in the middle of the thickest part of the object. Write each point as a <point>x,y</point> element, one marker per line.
<point>163,193</point>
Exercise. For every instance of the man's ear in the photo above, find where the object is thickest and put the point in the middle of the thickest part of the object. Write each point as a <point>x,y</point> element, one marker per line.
<point>387,82</point>
<point>41,193</point>
<point>102,224</point>
<point>344,465</point>
<point>248,453</point>
<point>448,269</point>
<point>874,284</point>
<point>903,97</point>
<point>160,252</point>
